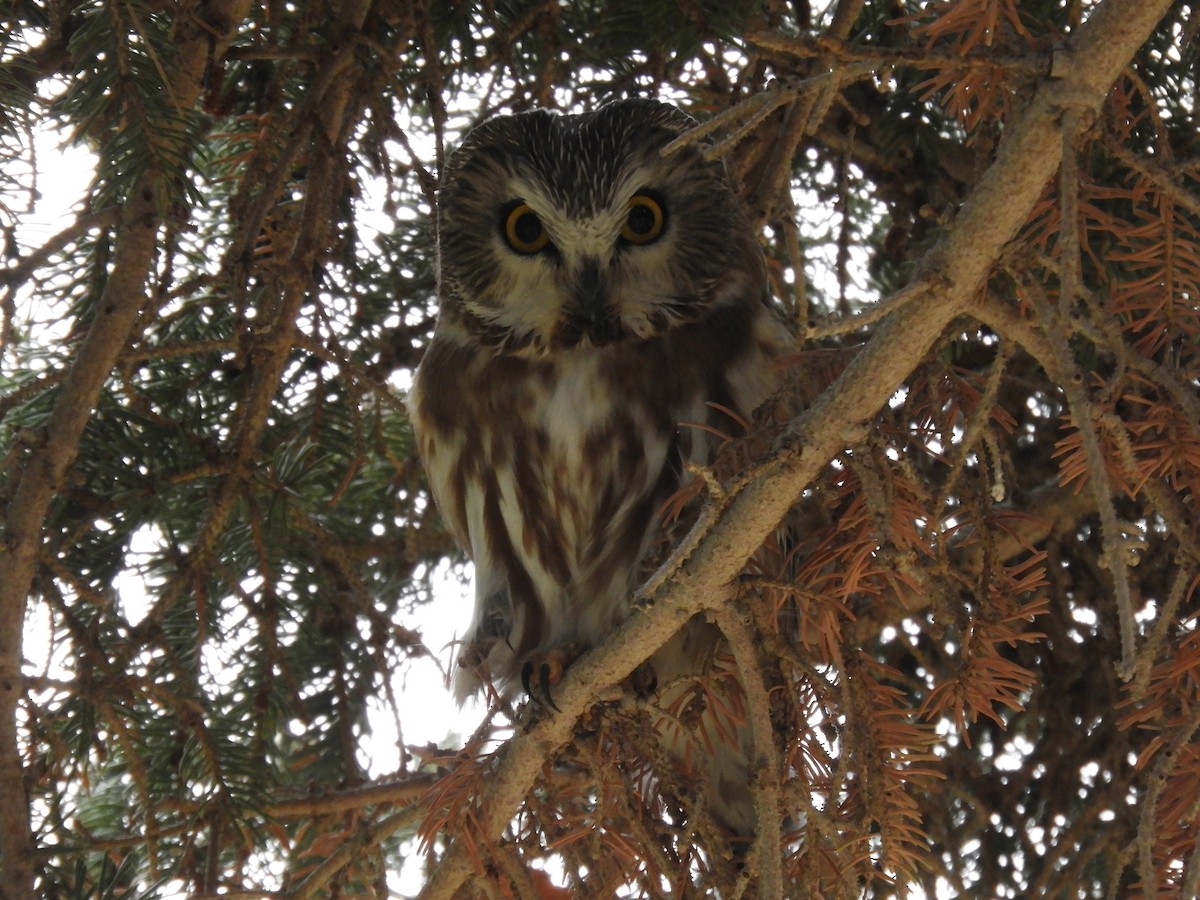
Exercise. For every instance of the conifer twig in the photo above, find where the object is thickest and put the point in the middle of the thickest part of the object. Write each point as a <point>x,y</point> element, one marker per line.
<point>44,473</point>
<point>765,764</point>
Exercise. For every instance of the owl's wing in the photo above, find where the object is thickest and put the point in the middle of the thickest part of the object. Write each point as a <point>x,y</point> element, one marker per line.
<point>437,405</point>
<point>697,677</point>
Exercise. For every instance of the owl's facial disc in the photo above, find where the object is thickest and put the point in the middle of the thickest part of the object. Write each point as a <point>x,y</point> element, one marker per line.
<point>590,312</point>
<point>580,293</point>
<point>557,231</point>
<point>644,223</point>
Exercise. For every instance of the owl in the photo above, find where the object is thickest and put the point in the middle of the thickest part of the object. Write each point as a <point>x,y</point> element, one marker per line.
<point>604,316</point>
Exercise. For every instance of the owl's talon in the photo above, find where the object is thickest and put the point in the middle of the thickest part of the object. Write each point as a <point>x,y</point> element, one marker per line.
<point>545,676</point>
<point>544,672</point>
<point>526,677</point>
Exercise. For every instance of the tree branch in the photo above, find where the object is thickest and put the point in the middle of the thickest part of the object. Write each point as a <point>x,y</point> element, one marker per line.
<point>205,35</point>
<point>953,275</point>
<point>767,793</point>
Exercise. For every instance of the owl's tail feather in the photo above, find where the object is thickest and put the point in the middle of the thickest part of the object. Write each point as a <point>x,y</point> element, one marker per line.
<point>705,728</point>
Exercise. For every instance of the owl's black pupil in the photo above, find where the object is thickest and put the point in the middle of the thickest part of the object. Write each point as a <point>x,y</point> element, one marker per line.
<point>641,219</point>
<point>527,228</point>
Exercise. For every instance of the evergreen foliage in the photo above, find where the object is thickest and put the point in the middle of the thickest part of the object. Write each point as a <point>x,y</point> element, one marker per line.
<point>971,581</point>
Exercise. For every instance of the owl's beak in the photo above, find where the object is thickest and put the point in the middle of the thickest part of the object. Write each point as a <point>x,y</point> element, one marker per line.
<point>591,314</point>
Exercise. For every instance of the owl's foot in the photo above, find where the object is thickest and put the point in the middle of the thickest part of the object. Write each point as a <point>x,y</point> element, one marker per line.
<point>541,670</point>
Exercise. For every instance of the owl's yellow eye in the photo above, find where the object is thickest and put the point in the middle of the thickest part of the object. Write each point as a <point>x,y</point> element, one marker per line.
<point>644,221</point>
<point>523,230</point>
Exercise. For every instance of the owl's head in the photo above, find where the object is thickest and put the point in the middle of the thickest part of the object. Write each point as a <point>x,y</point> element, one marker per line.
<point>560,230</point>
